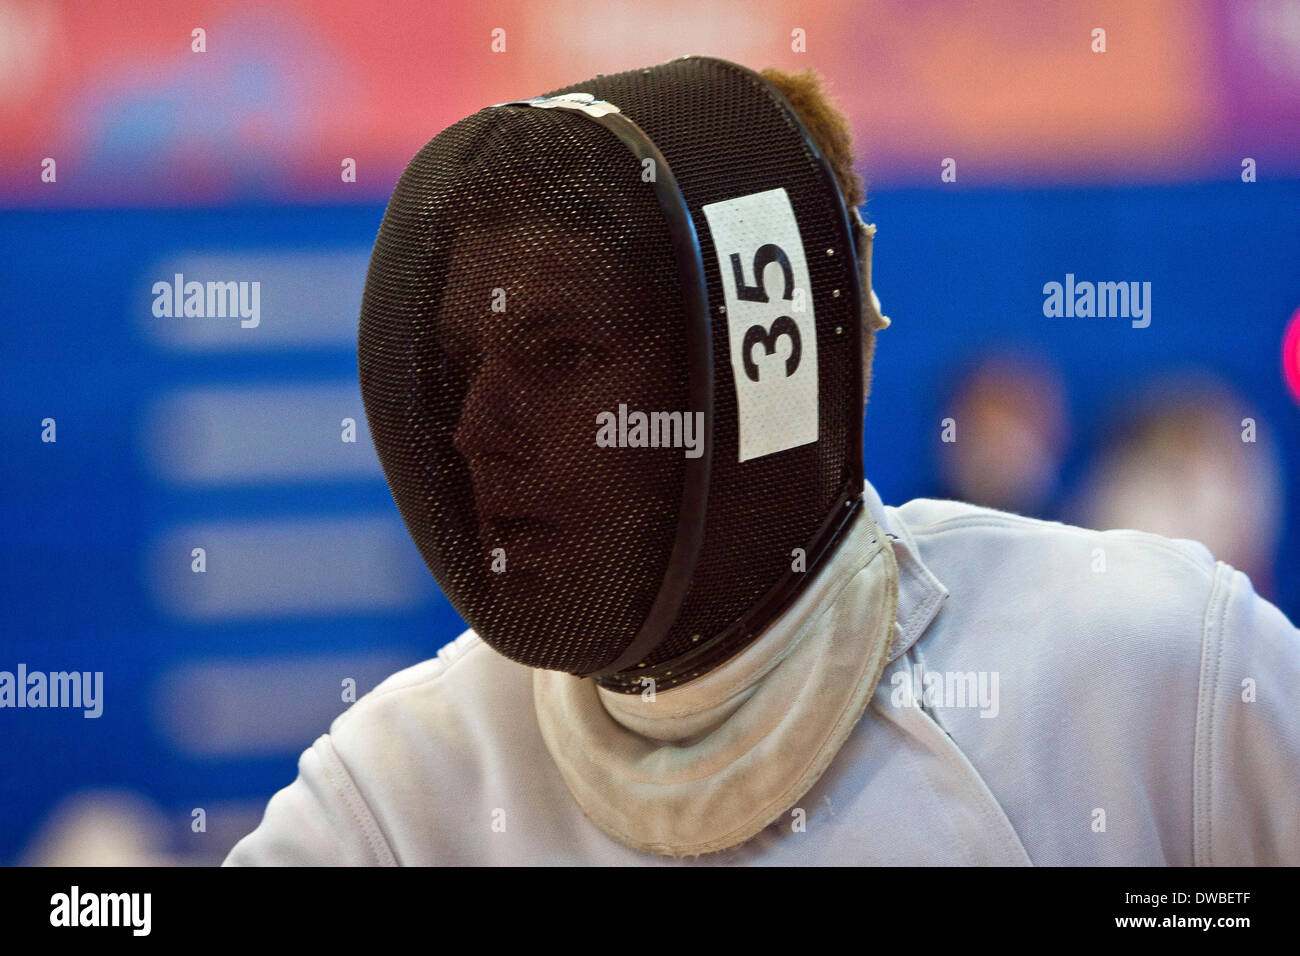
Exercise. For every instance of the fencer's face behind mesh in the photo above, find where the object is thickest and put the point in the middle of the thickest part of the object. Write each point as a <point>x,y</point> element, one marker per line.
<point>512,300</point>
<point>560,523</point>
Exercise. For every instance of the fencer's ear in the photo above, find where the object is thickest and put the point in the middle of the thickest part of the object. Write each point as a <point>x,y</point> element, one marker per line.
<point>864,237</point>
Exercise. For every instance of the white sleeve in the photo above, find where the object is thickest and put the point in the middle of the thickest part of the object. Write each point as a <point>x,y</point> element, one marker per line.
<point>1246,786</point>
<point>318,820</point>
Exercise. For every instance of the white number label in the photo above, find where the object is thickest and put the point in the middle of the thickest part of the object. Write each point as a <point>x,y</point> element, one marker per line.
<point>773,341</point>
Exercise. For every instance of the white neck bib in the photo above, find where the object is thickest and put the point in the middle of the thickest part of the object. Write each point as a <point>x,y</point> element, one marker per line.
<point>707,765</point>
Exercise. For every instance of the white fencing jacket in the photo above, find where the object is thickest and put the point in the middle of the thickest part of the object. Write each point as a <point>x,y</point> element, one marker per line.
<point>956,686</point>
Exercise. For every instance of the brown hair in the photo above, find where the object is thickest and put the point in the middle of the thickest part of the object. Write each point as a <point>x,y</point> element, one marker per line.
<point>829,129</point>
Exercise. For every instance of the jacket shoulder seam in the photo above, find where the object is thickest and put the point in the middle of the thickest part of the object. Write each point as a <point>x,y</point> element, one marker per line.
<point>1203,781</point>
<point>440,669</point>
<point>336,772</point>
<point>1017,521</point>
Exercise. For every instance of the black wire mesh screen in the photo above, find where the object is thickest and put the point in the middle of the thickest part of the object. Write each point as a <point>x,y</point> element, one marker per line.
<point>516,294</point>
<point>523,284</point>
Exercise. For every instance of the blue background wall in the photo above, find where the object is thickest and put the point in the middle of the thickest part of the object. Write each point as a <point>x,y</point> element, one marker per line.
<point>89,522</point>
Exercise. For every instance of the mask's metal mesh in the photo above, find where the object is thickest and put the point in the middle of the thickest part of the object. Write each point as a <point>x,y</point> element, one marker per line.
<point>485,421</point>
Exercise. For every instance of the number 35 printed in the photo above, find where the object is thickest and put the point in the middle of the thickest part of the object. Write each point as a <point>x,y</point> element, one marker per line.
<point>773,342</point>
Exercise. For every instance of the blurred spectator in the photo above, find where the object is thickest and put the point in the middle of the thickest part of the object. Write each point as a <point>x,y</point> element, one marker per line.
<point>1192,460</point>
<point>100,828</point>
<point>1008,434</point>
<point>121,827</point>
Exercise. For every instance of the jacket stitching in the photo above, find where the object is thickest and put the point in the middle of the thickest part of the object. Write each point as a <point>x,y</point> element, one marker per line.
<point>1212,657</point>
<point>921,615</point>
<point>356,804</point>
<point>958,764</point>
<point>951,524</point>
<point>441,667</point>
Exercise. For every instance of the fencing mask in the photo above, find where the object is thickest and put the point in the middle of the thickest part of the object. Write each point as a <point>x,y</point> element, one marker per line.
<point>610,351</point>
